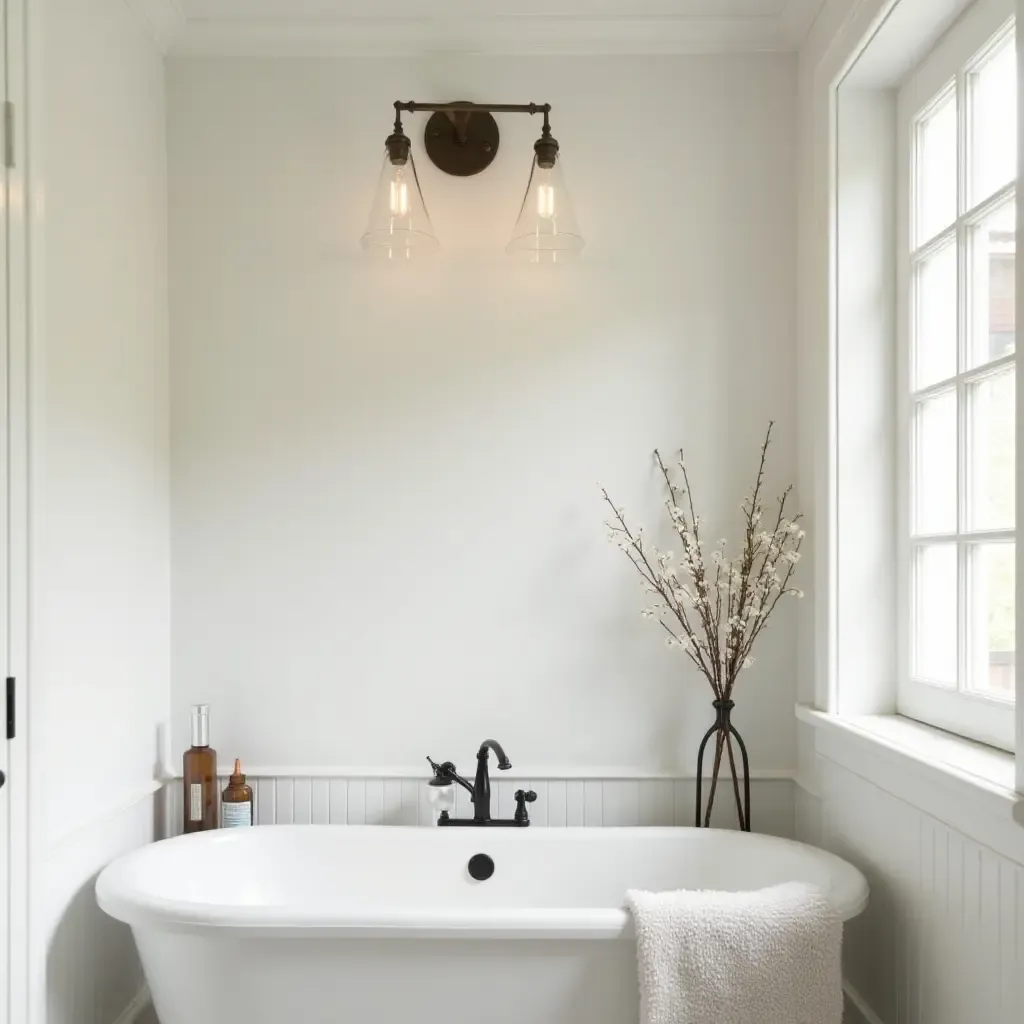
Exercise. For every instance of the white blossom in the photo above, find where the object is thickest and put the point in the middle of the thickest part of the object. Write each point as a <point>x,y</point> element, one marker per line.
<point>715,605</point>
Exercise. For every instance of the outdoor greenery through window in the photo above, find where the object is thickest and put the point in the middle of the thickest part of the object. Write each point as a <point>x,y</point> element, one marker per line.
<point>960,335</point>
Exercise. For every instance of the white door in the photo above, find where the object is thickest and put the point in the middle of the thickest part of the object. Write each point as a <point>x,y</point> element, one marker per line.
<point>9,778</point>
<point>14,794</point>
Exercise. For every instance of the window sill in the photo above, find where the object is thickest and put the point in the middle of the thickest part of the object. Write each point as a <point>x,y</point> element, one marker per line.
<point>967,785</point>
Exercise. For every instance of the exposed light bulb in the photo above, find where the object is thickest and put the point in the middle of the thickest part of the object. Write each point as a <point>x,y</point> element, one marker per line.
<point>545,200</point>
<point>399,194</point>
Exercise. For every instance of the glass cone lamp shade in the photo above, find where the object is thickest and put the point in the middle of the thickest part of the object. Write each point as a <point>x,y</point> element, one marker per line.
<point>399,227</point>
<point>546,231</point>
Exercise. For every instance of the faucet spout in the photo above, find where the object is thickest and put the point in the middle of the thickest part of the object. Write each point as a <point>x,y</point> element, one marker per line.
<point>503,762</point>
<point>482,782</point>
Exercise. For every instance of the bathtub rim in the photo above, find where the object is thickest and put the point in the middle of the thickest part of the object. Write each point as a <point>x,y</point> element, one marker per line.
<point>849,896</point>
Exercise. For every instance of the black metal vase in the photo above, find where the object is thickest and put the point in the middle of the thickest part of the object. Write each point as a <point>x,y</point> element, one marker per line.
<point>725,733</point>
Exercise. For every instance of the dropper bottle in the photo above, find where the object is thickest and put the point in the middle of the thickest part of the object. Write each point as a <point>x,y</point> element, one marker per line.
<point>236,803</point>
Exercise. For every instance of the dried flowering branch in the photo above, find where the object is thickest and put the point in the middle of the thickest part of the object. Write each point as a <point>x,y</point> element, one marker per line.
<point>714,617</point>
<point>715,614</point>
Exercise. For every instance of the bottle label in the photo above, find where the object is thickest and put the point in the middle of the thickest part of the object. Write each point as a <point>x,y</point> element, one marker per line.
<point>195,802</point>
<point>236,815</point>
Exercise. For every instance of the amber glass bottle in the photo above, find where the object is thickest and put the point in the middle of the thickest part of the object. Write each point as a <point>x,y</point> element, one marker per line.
<point>236,803</point>
<point>200,774</point>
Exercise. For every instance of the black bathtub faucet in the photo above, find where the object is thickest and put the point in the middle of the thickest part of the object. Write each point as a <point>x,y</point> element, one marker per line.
<point>446,777</point>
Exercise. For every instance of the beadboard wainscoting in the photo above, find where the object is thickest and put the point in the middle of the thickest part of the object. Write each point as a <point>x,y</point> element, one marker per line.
<point>89,968</point>
<point>343,797</point>
<point>942,939</point>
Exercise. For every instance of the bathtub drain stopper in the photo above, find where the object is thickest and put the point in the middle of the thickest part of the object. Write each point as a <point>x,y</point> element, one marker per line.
<point>481,867</point>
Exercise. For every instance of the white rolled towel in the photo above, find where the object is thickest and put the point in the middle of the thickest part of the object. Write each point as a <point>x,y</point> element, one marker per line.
<point>767,957</point>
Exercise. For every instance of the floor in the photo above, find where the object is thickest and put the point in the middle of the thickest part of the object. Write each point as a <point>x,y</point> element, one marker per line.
<point>851,1015</point>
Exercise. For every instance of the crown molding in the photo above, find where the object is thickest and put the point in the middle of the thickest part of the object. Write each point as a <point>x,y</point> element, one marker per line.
<point>797,17</point>
<point>164,20</point>
<point>511,34</point>
<point>311,35</point>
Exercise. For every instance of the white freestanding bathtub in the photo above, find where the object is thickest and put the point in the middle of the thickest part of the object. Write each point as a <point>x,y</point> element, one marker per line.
<point>384,925</point>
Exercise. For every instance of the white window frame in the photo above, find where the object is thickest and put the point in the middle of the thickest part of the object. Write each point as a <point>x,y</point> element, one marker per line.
<point>972,715</point>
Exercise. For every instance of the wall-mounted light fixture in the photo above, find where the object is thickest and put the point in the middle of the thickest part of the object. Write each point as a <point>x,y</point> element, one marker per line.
<point>462,139</point>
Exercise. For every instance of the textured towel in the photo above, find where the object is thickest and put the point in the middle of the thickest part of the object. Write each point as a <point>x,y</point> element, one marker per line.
<point>767,957</point>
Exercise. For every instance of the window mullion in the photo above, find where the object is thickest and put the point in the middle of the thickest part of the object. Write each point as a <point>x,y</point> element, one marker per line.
<point>962,550</point>
<point>963,313</point>
<point>933,245</point>
<point>963,157</point>
<point>984,207</point>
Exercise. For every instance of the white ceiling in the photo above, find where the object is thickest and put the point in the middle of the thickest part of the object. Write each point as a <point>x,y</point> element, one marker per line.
<point>359,27</point>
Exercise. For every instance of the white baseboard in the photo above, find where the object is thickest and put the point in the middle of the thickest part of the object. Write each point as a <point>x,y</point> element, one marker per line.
<point>140,1002</point>
<point>867,1014</point>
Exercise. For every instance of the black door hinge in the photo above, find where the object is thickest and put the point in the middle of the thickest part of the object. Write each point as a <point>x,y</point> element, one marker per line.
<point>10,707</point>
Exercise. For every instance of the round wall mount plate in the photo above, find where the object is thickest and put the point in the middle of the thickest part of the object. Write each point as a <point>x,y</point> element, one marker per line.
<point>461,143</point>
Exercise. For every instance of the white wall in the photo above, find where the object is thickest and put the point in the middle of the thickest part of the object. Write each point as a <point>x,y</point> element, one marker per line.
<point>866,549</point>
<point>387,531</point>
<point>100,558</point>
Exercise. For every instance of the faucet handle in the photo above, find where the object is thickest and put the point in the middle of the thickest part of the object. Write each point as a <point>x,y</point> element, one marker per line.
<point>523,797</point>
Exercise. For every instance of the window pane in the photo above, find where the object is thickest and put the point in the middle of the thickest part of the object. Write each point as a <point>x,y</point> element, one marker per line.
<point>991,636</point>
<point>990,459</point>
<point>934,465</point>
<point>936,169</point>
<point>993,91</point>
<point>936,321</point>
<point>933,626</point>
<point>993,266</point>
